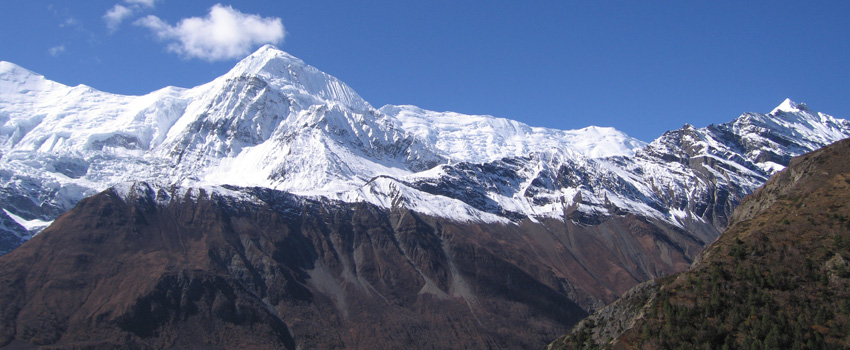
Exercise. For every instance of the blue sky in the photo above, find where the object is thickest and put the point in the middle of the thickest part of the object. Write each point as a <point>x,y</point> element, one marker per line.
<point>640,66</point>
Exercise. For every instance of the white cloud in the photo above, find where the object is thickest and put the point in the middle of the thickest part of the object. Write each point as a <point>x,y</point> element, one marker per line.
<point>225,33</point>
<point>56,50</point>
<point>118,13</point>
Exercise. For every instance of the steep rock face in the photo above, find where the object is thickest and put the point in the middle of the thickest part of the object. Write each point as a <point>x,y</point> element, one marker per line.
<point>113,274</point>
<point>143,266</point>
<point>10,234</point>
<point>169,267</point>
<point>777,278</point>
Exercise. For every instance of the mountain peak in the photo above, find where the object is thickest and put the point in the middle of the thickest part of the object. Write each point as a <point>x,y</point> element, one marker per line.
<point>14,73</point>
<point>269,52</point>
<point>9,67</point>
<point>267,48</point>
<point>267,58</point>
<point>789,106</point>
<point>289,73</point>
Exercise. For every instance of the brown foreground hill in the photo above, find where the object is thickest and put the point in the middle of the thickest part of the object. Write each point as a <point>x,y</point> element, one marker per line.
<point>145,268</point>
<point>778,278</point>
<point>210,272</point>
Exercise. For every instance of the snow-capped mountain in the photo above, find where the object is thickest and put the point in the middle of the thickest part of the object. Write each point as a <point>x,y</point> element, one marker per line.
<point>275,122</point>
<point>275,196</point>
<point>272,121</point>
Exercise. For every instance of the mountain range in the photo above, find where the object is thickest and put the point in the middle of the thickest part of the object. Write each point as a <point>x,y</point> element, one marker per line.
<point>274,199</point>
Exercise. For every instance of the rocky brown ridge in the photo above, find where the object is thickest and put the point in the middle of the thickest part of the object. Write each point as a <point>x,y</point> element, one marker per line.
<point>203,270</point>
<point>777,278</point>
<point>186,268</point>
<point>159,267</point>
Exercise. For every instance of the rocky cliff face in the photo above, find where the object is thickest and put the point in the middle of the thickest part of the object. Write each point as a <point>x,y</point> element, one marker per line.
<point>151,267</point>
<point>10,233</point>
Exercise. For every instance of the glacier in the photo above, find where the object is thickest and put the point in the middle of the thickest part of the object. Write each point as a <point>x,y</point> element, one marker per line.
<point>275,122</point>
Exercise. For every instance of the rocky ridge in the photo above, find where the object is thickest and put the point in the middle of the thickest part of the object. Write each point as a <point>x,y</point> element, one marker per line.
<point>144,266</point>
<point>776,278</point>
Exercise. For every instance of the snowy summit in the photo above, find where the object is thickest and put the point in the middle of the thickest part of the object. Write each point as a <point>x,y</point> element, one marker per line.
<point>275,122</point>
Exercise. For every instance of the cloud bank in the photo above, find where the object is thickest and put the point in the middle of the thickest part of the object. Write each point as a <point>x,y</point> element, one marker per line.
<point>225,33</point>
